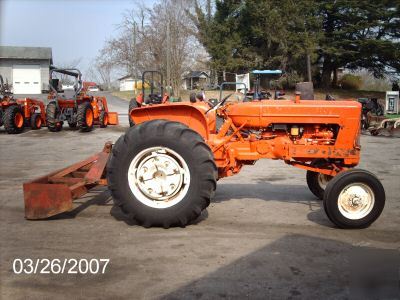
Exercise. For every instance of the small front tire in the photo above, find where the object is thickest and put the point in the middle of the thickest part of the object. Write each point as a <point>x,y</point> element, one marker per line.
<point>36,121</point>
<point>354,199</point>
<point>103,119</point>
<point>52,117</point>
<point>317,183</point>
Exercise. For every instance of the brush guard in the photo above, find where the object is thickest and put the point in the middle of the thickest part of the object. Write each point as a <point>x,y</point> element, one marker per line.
<point>53,194</point>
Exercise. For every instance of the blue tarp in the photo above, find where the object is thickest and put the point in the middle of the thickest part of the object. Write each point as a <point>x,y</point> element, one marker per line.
<point>266,72</point>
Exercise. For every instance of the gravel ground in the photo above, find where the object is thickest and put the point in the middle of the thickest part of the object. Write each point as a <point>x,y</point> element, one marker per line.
<point>263,236</point>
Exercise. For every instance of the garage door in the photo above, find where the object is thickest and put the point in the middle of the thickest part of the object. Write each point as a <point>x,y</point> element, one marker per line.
<point>26,79</point>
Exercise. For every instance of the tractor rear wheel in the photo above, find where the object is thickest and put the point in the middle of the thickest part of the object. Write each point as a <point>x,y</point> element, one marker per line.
<point>162,173</point>
<point>132,105</point>
<point>85,117</point>
<point>52,115</point>
<point>36,121</point>
<point>14,120</point>
<point>103,119</point>
<point>354,199</point>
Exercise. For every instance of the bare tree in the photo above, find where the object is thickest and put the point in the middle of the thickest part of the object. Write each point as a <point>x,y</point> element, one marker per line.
<point>157,38</point>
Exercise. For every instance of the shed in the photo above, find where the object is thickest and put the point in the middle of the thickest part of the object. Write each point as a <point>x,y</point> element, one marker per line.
<point>127,83</point>
<point>195,80</point>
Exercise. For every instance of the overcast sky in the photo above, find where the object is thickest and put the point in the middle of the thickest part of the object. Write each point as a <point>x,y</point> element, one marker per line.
<point>73,29</point>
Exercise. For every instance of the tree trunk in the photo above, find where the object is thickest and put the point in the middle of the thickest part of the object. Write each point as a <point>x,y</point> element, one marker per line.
<point>335,77</point>
<point>327,69</point>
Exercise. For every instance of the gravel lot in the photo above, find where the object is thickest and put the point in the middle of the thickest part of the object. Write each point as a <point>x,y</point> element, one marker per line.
<point>263,236</point>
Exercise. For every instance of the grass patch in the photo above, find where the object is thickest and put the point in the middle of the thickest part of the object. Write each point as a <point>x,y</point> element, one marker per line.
<point>392,116</point>
<point>126,95</point>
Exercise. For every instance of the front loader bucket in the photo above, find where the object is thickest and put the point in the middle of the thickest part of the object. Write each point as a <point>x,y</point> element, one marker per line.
<point>113,118</point>
<point>53,194</point>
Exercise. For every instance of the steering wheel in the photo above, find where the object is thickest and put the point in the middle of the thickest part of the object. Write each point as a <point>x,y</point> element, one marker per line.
<point>220,103</point>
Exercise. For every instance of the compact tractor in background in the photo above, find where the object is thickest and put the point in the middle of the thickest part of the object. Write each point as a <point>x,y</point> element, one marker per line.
<point>164,170</point>
<point>80,110</point>
<point>257,92</point>
<point>16,114</point>
<point>156,94</point>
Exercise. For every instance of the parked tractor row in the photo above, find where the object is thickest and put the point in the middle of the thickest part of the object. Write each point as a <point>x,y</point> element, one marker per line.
<point>80,110</point>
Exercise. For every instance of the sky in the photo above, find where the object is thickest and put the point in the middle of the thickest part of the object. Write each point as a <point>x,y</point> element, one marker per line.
<point>73,29</point>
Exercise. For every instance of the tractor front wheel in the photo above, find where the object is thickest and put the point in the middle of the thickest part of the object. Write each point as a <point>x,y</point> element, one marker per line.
<point>354,199</point>
<point>103,119</point>
<point>166,179</point>
<point>14,120</point>
<point>36,121</point>
<point>317,183</point>
<point>85,117</point>
<point>52,115</point>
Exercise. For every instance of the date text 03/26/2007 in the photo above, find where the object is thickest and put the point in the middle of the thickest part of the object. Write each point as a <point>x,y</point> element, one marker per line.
<point>60,266</point>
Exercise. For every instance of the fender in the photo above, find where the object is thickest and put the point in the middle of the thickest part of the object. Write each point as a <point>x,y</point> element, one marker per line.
<point>190,114</point>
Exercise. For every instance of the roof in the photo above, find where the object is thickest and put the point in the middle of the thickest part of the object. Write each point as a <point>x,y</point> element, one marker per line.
<point>127,76</point>
<point>266,72</point>
<point>195,74</point>
<point>26,52</point>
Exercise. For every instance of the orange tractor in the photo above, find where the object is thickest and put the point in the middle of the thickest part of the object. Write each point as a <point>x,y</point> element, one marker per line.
<point>15,114</point>
<point>164,170</point>
<point>80,110</point>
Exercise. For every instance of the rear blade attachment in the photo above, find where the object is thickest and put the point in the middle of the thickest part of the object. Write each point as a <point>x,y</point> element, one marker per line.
<point>386,127</point>
<point>53,194</point>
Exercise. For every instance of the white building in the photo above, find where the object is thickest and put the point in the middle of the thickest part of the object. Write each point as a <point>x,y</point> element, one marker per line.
<point>127,83</point>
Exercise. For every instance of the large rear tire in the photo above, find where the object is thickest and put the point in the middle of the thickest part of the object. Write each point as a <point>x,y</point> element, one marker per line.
<point>354,199</point>
<point>132,105</point>
<point>162,173</point>
<point>14,120</point>
<point>85,117</point>
<point>52,116</point>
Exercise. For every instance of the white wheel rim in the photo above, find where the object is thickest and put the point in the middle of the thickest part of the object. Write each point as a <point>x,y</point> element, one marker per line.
<point>356,201</point>
<point>159,177</point>
<point>323,180</point>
